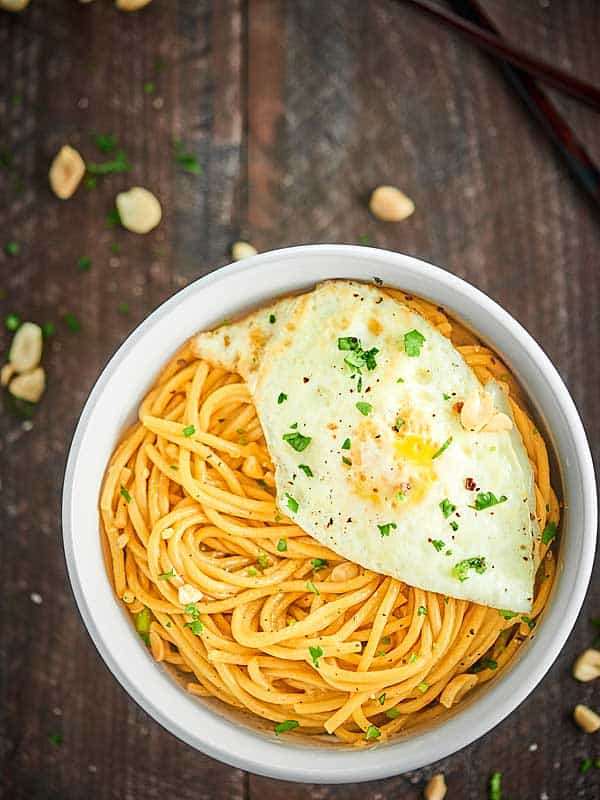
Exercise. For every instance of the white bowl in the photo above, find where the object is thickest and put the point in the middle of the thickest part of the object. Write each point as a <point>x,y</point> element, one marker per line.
<point>112,405</point>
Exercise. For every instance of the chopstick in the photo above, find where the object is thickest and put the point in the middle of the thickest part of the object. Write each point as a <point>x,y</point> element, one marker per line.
<point>497,46</point>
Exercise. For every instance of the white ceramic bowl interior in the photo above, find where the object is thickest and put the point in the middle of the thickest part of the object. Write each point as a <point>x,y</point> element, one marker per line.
<point>112,405</point>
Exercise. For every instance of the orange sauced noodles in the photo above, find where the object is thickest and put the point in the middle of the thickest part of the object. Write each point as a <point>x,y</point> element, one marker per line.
<point>246,607</point>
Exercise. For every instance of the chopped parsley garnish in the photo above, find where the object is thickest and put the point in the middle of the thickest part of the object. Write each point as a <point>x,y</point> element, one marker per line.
<point>422,687</point>
<point>386,640</point>
<point>315,654</point>
<point>438,544</point>
<point>531,623</point>
<point>483,663</point>
<point>262,561</point>
<point>495,790</point>
<point>401,496</point>
<point>291,503</point>
<point>506,614</point>
<point>282,545</point>
<point>413,342</point>
<point>119,163</point>
<point>357,358</point>
<point>48,329</point>
<point>123,308</point>
<point>399,423</point>
<point>386,529</point>
<point>453,525</point>
<point>188,161</point>
<point>12,321</point>
<point>105,143</point>
<point>447,508</point>
<point>287,725</point>
<point>165,576</point>
<point>446,396</point>
<point>72,322</point>
<point>55,738</point>
<point>252,572</point>
<point>124,493</point>
<point>312,588</point>
<point>297,440</point>
<point>90,182</point>
<point>400,380</point>
<point>445,446</point>
<point>461,570</point>
<point>149,87</point>
<point>188,431</point>
<point>282,398</point>
<point>346,461</point>
<point>373,732</point>
<point>295,425</point>
<point>347,444</point>
<point>195,626</point>
<point>413,657</point>
<point>392,713</point>
<point>364,408</point>
<point>364,239</point>
<point>319,563</point>
<point>272,319</point>
<point>12,248</point>
<point>142,624</point>
<point>381,699</point>
<point>306,470</point>
<point>549,532</point>
<point>84,263</point>
<point>487,500</point>
<point>113,218</point>
<point>191,611</point>
<point>422,611</point>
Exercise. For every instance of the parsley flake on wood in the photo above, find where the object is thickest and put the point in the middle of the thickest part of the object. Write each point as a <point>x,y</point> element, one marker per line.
<point>364,408</point>
<point>12,248</point>
<point>413,342</point>
<point>306,470</point>
<point>487,500</point>
<point>84,263</point>
<point>297,440</point>
<point>386,529</point>
<point>71,321</point>
<point>188,161</point>
<point>461,570</point>
<point>445,446</point>
<point>106,143</point>
<point>12,322</point>
<point>286,725</point>
<point>55,738</point>
<point>495,789</point>
<point>315,654</point>
<point>116,165</point>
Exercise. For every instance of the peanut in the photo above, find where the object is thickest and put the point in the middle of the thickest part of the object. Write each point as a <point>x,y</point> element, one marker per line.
<point>389,204</point>
<point>66,171</point>
<point>138,209</point>
<point>26,349</point>
<point>29,385</point>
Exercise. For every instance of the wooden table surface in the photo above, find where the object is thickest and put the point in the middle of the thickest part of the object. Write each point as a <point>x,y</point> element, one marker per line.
<point>295,109</point>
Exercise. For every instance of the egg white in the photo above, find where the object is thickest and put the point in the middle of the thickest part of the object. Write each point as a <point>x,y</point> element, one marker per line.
<point>378,500</point>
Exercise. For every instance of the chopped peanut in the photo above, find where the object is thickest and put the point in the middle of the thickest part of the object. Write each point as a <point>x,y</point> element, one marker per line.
<point>26,349</point>
<point>138,209</point>
<point>389,204</point>
<point>29,385</point>
<point>242,250</point>
<point>587,719</point>
<point>66,172</point>
<point>436,788</point>
<point>131,5</point>
<point>587,666</point>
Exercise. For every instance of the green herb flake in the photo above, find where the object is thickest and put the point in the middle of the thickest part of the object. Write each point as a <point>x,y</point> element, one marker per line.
<point>412,658</point>
<point>282,398</point>
<point>282,545</point>
<point>71,321</point>
<point>149,87</point>
<point>142,624</point>
<point>196,627</point>
<point>460,571</point>
<point>422,687</point>
<point>287,725</point>
<point>357,358</point>
<point>422,611</point>
<point>319,563</point>
<point>165,576</point>
<point>84,264</point>
<point>346,461</point>
<point>549,532</point>
<point>495,787</point>
<point>306,470</point>
<point>292,504</point>
<point>118,164</point>
<point>106,143</point>
<point>386,640</point>
<point>315,654</point>
<point>413,342</point>
<point>453,524</point>
<point>445,446</point>
<point>392,713</point>
<point>124,493</point>
<point>55,738</point>
<point>447,508</point>
<point>262,561</point>
<point>531,623</point>
<point>12,322</point>
<point>364,239</point>
<point>90,182</point>
<point>252,572</point>
<point>438,544</point>
<point>191,611</point>
<point>487,500</point>
<point>12,248</point>
<point>506,614</point>
<point>586,765</point>
<point>381,699</point>
<point>312,588</point>
<point>401,497</point>
<point>385,530</point>
<point>48,329</point>
<point>188,161</point>
<point>272,319</point>
<point>373,732</point>
<point>123,308</point>
<point>188,431</point>
<point>446,396</point>
<point>113,218</point>
<point>347,444</point>
<point>364,408</point>
<point>297,441</point>
<point>400,380</point>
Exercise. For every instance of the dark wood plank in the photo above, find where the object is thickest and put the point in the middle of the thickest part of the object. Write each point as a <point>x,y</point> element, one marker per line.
<point>295,109</point>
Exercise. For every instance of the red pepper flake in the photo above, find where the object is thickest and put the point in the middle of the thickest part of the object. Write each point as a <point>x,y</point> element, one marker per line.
<point>470,484</point>
<point>458,406</point>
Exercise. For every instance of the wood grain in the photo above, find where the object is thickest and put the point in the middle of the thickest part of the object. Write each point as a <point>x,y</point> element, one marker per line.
<point>295,110</point>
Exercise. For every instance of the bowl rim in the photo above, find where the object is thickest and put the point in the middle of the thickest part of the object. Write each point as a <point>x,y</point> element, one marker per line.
<point>246,749</point>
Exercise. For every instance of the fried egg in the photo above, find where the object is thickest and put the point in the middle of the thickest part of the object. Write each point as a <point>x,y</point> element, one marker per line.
<point>359,398</point>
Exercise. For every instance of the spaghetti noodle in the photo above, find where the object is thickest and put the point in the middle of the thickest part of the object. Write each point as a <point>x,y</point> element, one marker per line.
<point>243,605</point>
